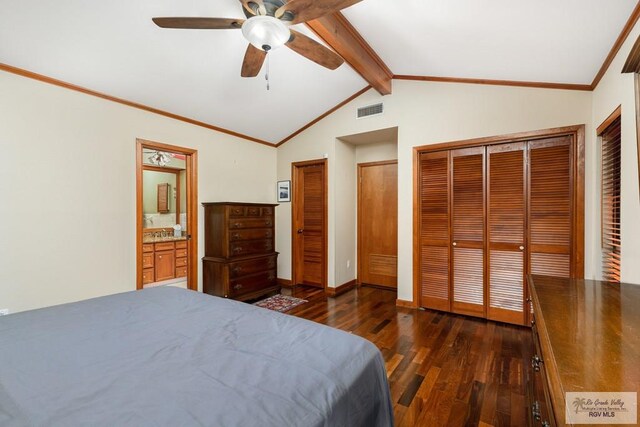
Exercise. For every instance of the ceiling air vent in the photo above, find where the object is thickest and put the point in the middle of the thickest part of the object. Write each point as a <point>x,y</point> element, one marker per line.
<point>370,110</point>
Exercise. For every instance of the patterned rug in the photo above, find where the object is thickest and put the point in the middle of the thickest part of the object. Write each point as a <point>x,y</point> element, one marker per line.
<point>280,303</point>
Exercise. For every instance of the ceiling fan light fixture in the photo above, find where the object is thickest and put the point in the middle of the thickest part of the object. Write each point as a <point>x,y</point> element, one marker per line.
<point>265,32</point>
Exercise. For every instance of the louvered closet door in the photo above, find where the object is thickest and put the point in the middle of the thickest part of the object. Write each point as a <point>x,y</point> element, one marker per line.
<point>550,206</point>
<point>506,213</point>
<point>467,216</point>
<point>434,230</point>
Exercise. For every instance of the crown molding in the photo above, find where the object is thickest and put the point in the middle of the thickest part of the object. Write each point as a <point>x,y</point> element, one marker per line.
<point>325,114</point>
<point>70,86</point>
<point>624,34</point>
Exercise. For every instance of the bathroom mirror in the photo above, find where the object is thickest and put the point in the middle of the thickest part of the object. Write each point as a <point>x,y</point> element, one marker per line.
<point>163,194</point>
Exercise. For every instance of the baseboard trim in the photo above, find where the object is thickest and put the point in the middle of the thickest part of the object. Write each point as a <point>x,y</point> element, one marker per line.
<point>405,304</point>
<point>285,283</point>
<point>345,287</point>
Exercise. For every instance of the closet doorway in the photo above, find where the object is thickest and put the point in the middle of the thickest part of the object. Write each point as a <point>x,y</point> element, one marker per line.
<point>490,211</point>
<point>309,225</point>
<point>378,224</point>
<point>166,215</point>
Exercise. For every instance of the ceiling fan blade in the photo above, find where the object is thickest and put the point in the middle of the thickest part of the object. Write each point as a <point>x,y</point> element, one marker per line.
<point>307,10</point>
<point>314,51</point>
<point>254,7</point>
<point>199,23</point>
<point>253,60</point>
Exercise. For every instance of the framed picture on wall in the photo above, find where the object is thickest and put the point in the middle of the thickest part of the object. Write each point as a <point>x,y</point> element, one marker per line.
<point>284,191</point>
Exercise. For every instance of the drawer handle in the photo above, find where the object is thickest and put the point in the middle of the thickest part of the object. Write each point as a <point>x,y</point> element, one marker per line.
<point>536,362</point>
<point>272,276</point>
<point>236,236</point>
<point>267,245</point>
<point>535,410</point>
<point>237,225</point>
<point>546,424</point>
<point>237,249</point>
<point>237,287</point>
<point>267,222</point>
<point>237,270</point>
<point>267,233</point>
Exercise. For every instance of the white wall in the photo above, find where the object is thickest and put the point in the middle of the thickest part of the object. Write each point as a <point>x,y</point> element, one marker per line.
<point>617,89</point>
<point>67,179</point>
<point>428,113</point>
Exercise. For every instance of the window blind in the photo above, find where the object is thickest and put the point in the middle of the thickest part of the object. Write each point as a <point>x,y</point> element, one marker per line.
<point>611,148</point>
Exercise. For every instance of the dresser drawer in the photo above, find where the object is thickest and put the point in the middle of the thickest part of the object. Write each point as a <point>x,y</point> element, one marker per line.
<point>147,260</point>
<point>253,211</point>
<point>252,283</point>
<point>251,234</point>
<point>266,211</point>
<point>240,223</point>
<point>235,211</point>
<point>164,246</point>
<point>181,262</point>
<point>147,247</point>
<point>541,412</point>
<point>256,265</point>
<point>181,244</point>
<point>147,276</point>
<point>251,247</point>
<point>181,253</point>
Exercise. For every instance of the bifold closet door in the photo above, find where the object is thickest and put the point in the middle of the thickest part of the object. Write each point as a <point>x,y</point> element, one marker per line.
<point>550,206</point>
<point>506,225</point>
<point>467,231</point>
<point>434,230</point>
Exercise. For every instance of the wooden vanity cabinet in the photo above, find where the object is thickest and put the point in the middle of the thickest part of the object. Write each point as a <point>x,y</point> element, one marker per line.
<point>164,261</point>
<point>240,260</point>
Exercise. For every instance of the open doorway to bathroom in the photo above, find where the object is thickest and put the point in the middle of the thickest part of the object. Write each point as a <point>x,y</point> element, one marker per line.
<point>166,215</point>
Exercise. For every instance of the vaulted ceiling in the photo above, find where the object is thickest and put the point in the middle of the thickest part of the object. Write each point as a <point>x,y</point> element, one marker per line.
<point>114,48</point>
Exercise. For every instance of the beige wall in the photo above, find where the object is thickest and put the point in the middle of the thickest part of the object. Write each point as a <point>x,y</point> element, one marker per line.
<point>428,113</point>
<point>376,151</point>
<point>68,184</point>
<point>617,89</point>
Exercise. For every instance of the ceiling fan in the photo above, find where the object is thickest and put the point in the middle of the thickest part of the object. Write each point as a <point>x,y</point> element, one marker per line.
<point>267,27</point>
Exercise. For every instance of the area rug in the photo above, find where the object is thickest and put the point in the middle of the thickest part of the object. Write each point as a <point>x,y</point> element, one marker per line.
<point>280,303</point>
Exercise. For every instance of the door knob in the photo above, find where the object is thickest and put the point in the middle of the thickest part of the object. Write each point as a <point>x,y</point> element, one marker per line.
<point>300,230</point>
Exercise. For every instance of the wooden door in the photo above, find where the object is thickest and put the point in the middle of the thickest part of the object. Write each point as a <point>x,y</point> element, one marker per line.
<point>378,223</point>
<point>434,227</point>
<point>165,265</point>
<point>550,206</point>
<point>506,225</point>
<point>468,230</point>
<point>309,223</point>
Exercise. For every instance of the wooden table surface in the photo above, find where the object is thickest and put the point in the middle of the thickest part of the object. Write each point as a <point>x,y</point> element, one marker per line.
<point>590,335</point>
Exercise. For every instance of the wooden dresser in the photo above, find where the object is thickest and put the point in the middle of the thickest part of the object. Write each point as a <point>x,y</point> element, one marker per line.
<point>240,260</point>
<point>586,338</point>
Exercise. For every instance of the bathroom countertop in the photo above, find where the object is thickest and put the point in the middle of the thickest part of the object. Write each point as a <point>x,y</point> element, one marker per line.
<point>163,239</point>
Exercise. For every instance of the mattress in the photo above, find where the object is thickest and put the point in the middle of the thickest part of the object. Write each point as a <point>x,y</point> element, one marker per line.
<point>169,356</point>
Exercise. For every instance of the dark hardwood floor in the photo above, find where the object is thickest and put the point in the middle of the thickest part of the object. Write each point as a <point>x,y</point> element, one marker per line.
<point>443,369</point>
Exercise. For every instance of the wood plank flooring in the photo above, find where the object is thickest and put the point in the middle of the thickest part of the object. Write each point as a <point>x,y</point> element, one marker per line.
<point>443,369</point>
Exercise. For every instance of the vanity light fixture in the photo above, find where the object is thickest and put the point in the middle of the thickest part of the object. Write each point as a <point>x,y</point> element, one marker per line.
<point>160,158</point>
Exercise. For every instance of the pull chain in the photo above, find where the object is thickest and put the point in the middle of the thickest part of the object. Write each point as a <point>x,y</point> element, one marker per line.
<point>266,76</point>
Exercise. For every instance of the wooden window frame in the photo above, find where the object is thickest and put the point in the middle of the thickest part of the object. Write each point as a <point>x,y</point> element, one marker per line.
<point>577,132</point>
<point>610,275</point>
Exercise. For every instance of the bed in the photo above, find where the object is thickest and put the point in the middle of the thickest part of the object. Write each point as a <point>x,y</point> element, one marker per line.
<point>169,356</point>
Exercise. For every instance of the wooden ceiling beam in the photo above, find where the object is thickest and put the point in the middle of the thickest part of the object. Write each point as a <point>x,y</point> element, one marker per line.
<point>342,37</point>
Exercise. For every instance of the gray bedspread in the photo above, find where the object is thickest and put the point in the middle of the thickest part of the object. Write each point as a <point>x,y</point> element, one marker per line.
<point>171,357</point>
